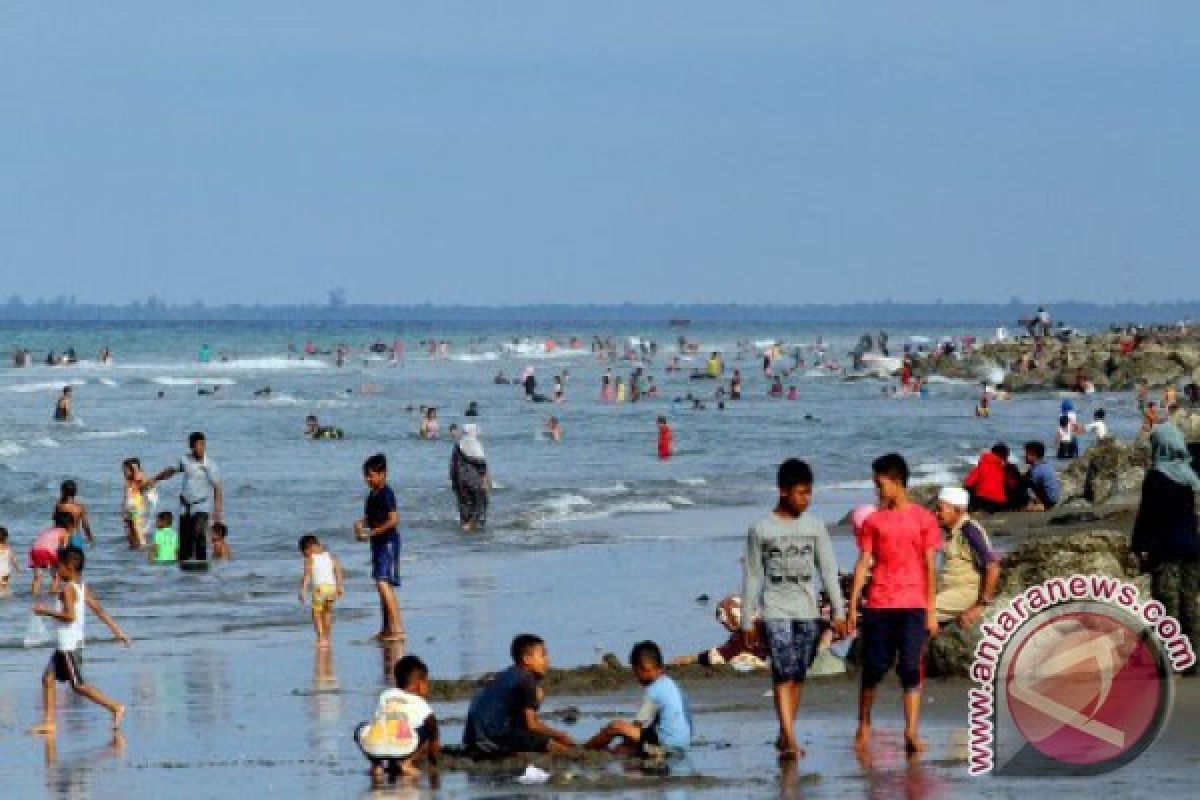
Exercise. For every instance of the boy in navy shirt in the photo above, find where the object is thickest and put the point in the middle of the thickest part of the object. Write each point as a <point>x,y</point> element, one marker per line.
<point>378,525</point>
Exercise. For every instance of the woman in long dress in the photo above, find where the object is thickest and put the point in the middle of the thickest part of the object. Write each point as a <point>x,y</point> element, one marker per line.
<point>473,480</point>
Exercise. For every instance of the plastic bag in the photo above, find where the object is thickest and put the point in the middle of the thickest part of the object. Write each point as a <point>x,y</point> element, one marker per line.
<point>36,634</point>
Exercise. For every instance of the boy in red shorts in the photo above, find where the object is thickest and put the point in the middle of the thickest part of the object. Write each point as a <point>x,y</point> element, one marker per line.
<point>898,545</point>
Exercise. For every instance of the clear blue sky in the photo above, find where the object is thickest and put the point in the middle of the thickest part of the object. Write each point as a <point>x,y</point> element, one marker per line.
<point>511,152</point>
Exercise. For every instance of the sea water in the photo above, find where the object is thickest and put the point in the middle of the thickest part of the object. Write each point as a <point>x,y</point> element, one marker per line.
<point>603,488</point>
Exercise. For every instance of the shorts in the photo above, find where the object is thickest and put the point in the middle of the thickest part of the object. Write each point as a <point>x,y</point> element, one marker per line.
<point>793,646</point>
<point>423,738</point>
<point>649,746</point>
<point>510,743</point>
<point>385,558</point>
<point>323,597</point>
<point>893,637</point>
<point>67,666</point>
<point>43,559</point>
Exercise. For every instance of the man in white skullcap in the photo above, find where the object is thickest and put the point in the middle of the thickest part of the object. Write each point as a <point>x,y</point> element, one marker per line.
<point>970,568</point>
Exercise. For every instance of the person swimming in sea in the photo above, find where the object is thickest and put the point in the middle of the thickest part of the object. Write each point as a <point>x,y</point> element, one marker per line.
<point>62,409</point>
<point>313,429</point>
<point>429,424</point>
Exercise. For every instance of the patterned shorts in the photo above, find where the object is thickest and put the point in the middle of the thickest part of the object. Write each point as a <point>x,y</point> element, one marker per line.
<point>793,645</point>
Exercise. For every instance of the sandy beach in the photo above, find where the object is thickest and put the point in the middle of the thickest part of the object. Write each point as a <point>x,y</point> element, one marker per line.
<point>254,711</point>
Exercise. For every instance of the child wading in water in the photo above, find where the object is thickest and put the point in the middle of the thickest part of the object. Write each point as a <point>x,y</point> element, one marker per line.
<point>64,666</point>
<point>666,439</point>
<point>784,552</point>
<point>378,525</point>
<point>898,545</point>
<point>81,529</point>
<point>324,573</point>
<point>8,563</point>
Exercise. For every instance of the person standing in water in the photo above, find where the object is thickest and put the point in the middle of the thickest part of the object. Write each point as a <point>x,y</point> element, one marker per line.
<point>473,479</point>
<point>200,498</point>
<point>63,411</point>
<point>141,500</point>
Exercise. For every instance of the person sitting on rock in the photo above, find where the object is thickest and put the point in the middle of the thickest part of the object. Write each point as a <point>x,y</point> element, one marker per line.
<point>1041,480</point>
<point>970,568</point>
<point>987,483</point>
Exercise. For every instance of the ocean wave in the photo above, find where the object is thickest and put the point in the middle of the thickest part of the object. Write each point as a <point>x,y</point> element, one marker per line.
<point>117,434</point>
<point>10,449</point>
<point>609,491</point>
<point>680,500</point>
<point>171,380</point>
<point>849,486</point>
<point>643,507</point>
<point>691,481</point>
<point>42,386</point>
<point>474,357</point>
<point>45,441</point>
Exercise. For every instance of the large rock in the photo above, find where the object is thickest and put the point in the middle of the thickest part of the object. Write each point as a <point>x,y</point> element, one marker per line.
<point>1109,469</point>
<point>1100,552</point>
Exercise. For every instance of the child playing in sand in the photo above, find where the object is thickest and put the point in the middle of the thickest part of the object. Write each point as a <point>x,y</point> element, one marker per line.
<point>8,563</point>
<point>404,732</point>
<point>44,553</point>
<point>666,439</point>
<point>164,544</point>
<point>503,718</point>
<point>220,542</point>
<point>68,502</point>
<point>324,573</point>
<point>378,525</point>
<point>663,724</point>
<point>784,553</point>
<point>64,666</point>
<point>898,545</point>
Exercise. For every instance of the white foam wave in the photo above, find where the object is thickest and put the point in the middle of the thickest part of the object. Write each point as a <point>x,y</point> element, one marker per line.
<point>474,357</point>
<point>170,380</point>
<point>10,449</point>
<point>608,491</point>
<point>850,486</point>
<point>680,500</point>
<point>117,434</point>
<point>691,481</point>
<point>42,386</point>
<point>109,382</point>
<point>281,400</point>
<point>45,441</point>
<point>566,502</point>
<point>643,507</point>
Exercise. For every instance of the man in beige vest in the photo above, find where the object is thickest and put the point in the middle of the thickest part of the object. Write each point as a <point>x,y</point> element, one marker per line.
<point>970,568</point>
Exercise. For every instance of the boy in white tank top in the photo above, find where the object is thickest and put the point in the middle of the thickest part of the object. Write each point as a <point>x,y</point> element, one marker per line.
<point>324,573</point>
<point>64,667</point>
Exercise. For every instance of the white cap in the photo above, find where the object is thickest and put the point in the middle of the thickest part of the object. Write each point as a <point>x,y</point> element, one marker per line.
<point>955,496</point>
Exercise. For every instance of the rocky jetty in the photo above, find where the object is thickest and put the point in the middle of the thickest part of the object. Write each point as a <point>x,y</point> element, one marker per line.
<point>1106,361</point>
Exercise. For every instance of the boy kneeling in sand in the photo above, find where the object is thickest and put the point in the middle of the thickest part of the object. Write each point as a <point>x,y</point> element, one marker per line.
<point>404,732</point>
<point>663,725</point>
<point>503,717</point>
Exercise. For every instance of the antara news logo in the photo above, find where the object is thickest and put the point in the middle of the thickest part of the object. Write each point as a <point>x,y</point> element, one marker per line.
<point>1074,678</point>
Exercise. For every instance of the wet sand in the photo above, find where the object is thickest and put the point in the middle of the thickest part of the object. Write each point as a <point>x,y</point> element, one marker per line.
<point>249,713</point>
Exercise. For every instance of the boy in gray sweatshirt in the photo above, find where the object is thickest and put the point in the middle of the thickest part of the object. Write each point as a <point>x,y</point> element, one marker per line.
<point>784,552</point>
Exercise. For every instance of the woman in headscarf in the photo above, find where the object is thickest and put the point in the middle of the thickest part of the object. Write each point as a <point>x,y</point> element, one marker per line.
<point>1165,535</point>
<point>473,479</point>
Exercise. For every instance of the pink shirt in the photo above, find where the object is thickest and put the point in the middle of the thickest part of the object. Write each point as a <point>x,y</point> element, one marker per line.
<point>49,540</point>
<point>899,540</point>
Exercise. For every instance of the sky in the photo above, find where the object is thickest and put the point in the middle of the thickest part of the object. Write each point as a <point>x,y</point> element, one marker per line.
<point>583,152</point>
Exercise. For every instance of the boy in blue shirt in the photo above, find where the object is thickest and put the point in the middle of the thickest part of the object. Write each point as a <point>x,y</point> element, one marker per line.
<point>663,725</point>
<point>378,525</point>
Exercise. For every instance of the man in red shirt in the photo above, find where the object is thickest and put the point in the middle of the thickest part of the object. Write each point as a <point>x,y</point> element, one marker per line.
<point>898,545</point>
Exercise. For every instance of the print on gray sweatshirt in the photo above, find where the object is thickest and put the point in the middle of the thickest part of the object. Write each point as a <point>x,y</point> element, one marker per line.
<point>782,560</point>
